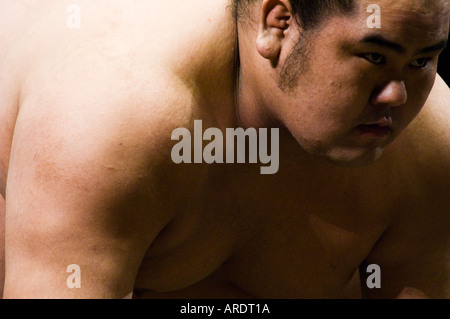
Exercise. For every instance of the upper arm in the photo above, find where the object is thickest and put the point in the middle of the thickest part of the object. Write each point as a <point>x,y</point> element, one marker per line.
<point>80,191</point>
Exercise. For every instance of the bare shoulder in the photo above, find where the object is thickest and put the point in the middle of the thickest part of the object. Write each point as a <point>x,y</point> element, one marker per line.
<point>429,134</point>
<point>123,70</point>
<point>413,251</point>
<point>437,111</point>
<point>103,96</point>
<point>421,154</point>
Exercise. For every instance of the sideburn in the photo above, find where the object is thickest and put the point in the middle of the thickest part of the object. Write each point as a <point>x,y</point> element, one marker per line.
<point>296,63</point>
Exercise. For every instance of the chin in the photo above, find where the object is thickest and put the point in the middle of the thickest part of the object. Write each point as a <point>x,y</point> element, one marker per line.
<point>354,158</point>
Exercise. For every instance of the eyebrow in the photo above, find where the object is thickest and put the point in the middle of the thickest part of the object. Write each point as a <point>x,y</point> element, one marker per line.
<point>437,47</point>
<point>381,41</point>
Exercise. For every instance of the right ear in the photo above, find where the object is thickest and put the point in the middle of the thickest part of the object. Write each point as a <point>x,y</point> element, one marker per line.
<point>275,19</point>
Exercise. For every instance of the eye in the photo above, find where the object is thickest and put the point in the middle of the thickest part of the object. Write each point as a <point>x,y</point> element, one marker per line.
<point>421,63</point>
<point>374,58</point>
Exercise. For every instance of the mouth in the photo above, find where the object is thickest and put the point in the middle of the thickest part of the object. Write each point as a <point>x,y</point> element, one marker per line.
<point>377,129</point>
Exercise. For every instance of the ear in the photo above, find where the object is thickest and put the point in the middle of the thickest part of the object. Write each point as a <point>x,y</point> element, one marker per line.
<point>274,21</point>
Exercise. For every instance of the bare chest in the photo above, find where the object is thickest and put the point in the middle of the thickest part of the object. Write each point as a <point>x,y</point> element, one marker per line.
<point>267,242</point>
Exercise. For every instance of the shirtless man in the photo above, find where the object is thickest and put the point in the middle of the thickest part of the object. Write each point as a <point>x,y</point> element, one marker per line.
<point>87,116</point>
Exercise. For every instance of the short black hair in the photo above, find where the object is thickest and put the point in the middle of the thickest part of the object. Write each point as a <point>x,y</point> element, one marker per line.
<point>309,14</point>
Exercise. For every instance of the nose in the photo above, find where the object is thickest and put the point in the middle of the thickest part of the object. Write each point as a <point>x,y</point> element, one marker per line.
<point>392,94</point>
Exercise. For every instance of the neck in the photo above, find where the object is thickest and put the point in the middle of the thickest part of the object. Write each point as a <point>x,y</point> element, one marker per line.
<point>250,107</point>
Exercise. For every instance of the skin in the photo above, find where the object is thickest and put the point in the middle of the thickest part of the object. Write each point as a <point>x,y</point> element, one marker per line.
<point>97,186</point>
<point>353,91</point>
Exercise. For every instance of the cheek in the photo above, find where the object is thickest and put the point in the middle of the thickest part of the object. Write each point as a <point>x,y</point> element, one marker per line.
<point>339,102</point>
<point>322,125</point>
<point>330,105</point>
<point>327,103</point>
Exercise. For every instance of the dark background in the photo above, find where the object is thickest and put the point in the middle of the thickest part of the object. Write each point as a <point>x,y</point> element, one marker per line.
<point>444,66</point>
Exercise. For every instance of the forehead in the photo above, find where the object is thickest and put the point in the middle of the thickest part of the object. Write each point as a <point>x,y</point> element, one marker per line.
<point>411,23</point>
<point>426,8</point>
<point>412,17</point>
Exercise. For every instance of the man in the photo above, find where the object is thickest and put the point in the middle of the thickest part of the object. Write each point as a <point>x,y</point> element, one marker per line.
<point>97,208</point>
